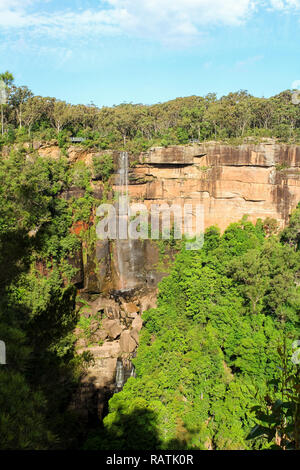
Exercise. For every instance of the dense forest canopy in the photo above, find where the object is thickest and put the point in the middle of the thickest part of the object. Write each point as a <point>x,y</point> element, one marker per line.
<point>213,366</point>
<point>137,127</point>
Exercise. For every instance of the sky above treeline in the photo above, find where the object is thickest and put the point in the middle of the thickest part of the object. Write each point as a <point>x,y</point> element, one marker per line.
<point>149,51</point>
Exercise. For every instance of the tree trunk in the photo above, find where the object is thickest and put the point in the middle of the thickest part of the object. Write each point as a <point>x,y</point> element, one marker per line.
<point>20,116</point>
<point>2,120</point>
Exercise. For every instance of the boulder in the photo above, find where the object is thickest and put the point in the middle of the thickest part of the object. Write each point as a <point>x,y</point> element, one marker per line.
<point>112,327</point>
<point>137,323</point>
<point>127,343</point>
<point>134,333</point>
<point>130,308</point>
<point>115,330</point>
<point>100,335</point>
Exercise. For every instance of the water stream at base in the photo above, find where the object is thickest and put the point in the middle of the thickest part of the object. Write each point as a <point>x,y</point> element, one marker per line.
<point>123,374</point>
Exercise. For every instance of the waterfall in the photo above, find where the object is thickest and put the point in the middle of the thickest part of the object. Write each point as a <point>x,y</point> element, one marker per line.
<point>123,374</point>
<point>132,372</point>
<point>123,173</point>
<point>123,243</point>
<point>120,376</point>
<point>125,258</point>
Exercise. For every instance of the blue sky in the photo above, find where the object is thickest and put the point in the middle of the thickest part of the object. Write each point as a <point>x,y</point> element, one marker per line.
<point>148,51</point>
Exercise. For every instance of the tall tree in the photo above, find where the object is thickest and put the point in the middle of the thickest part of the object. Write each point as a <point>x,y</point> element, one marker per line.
<point>6,80</point>
<point>18,97</point>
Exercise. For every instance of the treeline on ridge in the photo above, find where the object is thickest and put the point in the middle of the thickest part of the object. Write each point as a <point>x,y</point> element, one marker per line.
<point>136,127</point>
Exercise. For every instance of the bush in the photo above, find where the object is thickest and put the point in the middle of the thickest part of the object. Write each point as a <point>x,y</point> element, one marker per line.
<point>103,167</point>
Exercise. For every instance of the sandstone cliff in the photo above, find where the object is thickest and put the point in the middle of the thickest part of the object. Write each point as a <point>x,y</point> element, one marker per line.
<point>259,180</point>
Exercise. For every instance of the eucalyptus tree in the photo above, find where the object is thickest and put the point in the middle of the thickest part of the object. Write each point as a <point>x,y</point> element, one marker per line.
<point>6,81</point>
<point>17,99</point>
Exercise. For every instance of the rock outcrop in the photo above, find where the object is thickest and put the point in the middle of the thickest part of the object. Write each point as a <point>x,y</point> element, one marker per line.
<point>112,335</point>
<point>261,180</point>
<point>256,180</point>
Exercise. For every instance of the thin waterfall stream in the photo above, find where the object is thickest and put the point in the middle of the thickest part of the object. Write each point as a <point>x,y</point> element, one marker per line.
<point>120,376</point>
<point>125,257</point>
<point>124,243</point>
<point>123,374</point>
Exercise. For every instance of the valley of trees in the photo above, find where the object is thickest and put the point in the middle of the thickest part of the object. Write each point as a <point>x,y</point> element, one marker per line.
<point>137,127</point>
<point>214,367</point>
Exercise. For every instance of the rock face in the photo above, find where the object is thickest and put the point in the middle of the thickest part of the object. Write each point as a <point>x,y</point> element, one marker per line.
<point>127,343</point>
<point>256,180</point>
<point>113,335</point>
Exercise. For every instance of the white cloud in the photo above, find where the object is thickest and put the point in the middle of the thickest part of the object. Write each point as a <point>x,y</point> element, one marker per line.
<point>170,20</point>
<point>163,20</point>
<point>12,13</point>
<point>285,4</point>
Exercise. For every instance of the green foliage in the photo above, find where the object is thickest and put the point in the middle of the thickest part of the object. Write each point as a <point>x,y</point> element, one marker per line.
<point>80,176</point>
<point>37,304</point>
<point>282,166</point>
<point>63,139</point>
<point>103,167</point>
<point>210,348</point>
<point>82,207</point>
<point>291,234</point>
<point>279,418</point>
<point>22,422</point>
<point>136,127</point>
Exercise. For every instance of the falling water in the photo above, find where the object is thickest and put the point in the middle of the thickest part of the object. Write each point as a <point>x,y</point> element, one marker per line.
<point>123,172</point>
<point>125,258</point>
<point>123,242</point>
<point>120,376</point>
<point>132,372</point>
<point>123,374</point>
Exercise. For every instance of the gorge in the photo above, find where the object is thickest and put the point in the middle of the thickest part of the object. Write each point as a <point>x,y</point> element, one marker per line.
<point>119,278</point>
<point>99,313</point>
<point>150,342</point>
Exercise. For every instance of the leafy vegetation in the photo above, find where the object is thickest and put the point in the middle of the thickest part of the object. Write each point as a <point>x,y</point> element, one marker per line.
<point>103,167</point>
<point>210,349</point>
<point>278,418</point>
<point>137,127</point>
<point>37,301</point>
